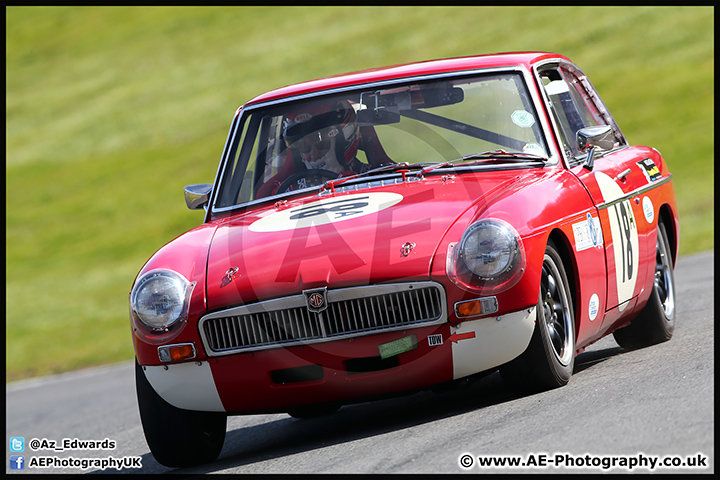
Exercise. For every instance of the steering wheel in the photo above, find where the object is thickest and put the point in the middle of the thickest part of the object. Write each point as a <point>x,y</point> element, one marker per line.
<point>305,179</point>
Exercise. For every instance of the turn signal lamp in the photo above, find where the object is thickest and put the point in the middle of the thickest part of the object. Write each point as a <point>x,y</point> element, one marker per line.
<point>476,307</point>
<point>176,353</point>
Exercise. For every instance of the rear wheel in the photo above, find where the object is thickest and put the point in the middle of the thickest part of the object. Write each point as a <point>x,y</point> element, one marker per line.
<point>656,322</point>
<point>177,437</point>
<point>549,359</point>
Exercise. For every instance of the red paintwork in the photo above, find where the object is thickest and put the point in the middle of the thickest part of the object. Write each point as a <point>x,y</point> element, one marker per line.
<point>357,252</point>
<point>187,255</point>
<point>540,203</point>
<point>526,59</point>
<point>256,392</point>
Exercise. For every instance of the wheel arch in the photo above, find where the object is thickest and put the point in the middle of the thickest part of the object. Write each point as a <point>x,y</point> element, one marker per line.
<point>667,218</point>
<point>564,248</point>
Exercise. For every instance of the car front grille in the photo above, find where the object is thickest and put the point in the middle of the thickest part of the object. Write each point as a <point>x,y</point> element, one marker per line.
<point>350,312</point>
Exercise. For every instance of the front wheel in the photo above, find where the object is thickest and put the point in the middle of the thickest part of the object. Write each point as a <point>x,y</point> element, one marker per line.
<point>176,437</point>
<point>549,359</point>
<point>656,322</point>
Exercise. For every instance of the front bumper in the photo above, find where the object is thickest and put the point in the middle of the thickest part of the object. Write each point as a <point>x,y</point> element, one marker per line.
<point>344,370</point>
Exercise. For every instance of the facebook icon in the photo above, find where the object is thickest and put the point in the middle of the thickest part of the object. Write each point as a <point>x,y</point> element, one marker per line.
<point>17,462</point>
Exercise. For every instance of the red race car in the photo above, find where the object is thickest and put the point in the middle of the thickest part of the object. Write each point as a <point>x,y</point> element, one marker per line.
<point>397,229</point>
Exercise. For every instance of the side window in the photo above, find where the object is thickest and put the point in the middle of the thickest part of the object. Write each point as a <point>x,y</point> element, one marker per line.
<point>235,175</point>
<point>261,155</point>
<point>574,106</point>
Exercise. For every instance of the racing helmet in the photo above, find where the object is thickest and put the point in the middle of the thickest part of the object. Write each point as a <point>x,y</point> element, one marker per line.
<point>322,126</point>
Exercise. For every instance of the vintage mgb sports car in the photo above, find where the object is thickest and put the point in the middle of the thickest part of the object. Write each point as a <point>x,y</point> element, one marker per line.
<point>398,229</point>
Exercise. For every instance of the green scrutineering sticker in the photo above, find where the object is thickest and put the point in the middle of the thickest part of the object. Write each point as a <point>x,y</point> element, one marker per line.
<point>398,346</point>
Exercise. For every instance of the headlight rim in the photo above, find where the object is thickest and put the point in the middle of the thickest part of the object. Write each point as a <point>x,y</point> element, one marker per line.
<point>155,334</point>
<point>464,277</point>
<point>511,235</point>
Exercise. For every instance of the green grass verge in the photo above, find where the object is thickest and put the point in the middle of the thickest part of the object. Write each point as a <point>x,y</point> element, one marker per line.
<point>111,110</point>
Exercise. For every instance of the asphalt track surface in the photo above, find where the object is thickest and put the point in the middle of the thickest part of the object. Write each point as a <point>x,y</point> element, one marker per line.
<point>621,406</point>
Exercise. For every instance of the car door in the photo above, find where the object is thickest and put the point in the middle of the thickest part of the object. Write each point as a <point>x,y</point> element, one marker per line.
<point>612,180</point>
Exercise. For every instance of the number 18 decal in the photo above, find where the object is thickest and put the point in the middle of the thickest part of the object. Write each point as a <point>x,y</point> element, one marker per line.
<point>623,229</point>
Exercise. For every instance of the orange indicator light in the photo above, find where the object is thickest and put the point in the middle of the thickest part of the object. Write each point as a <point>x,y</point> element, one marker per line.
<point>176,353</point>
<point>469,309</point>
<point>474,308</point>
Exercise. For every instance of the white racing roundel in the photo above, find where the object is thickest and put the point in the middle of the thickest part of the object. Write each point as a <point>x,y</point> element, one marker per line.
<point>328,210</point>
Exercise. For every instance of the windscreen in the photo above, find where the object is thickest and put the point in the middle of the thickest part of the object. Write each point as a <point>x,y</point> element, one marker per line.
<point>302,144</point>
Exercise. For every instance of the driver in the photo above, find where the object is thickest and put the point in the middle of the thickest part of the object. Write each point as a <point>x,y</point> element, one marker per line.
<point>323,137</point>
<point>326,137</point>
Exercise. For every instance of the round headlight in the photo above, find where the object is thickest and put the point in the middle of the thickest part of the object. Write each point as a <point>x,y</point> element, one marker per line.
<point>488,259</point>
<point>490,249</point>
<point>159,299</point>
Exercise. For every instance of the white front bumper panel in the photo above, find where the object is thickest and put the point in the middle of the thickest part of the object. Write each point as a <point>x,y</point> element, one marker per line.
<point>477,345</point>
<point>487,343</point>
<point>186,385</point>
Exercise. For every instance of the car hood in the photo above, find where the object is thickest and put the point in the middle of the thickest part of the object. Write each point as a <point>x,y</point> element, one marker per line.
<point>341,239</point>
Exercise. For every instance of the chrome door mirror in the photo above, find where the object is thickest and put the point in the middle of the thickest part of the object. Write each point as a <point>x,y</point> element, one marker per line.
<point>197,196</point>
<point>601,137</point>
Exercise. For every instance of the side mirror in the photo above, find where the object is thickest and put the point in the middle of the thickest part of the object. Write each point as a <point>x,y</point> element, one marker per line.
<point>595,137</point>
<point>197,196</point>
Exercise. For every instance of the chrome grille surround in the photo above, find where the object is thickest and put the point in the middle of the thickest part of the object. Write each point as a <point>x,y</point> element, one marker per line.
<point>351,312</point>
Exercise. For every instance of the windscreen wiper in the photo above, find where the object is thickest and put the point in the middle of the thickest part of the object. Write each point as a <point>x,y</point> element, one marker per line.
<point>490,154</point>
<point>502,155</point>
<point>392,167</point>
<point>405,167</point>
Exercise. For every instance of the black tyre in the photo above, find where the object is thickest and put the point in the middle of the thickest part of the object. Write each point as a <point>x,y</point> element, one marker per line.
<point>176,437</point>
<point>656,322</point>
<point>549,359</point>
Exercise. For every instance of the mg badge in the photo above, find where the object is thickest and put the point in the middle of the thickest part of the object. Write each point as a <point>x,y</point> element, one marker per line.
<point>316,299</point>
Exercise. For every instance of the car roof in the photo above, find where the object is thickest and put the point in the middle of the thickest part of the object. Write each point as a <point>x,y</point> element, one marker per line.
<point>430,67</point>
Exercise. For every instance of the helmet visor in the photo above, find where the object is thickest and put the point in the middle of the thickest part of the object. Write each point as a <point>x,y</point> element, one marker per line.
<point>320,140</point>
